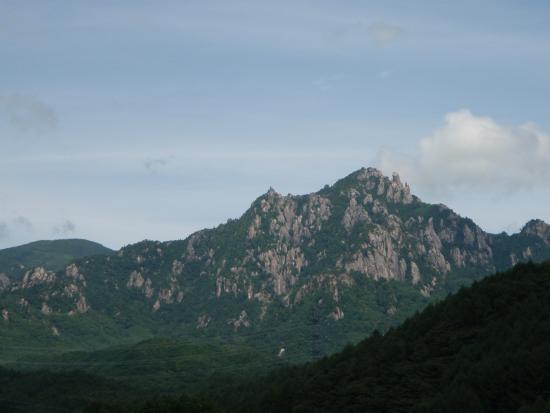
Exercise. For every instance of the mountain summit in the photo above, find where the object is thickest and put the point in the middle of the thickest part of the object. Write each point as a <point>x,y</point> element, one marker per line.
<point>537,228</point>
<point>303,273</point>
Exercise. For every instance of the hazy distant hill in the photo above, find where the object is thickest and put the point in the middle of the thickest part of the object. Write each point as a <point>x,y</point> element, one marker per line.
<point>299,275</point>
<point>53,255</point>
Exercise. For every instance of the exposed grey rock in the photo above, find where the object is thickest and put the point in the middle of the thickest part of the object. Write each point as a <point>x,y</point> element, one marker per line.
<point>415,273</point>
<point>37,276</point>
<point>177,267</point>
<point>81,305</point>
<point>203,321</point>
<point>537,228</point>
<point>136,280</point>
<point>46,310</point>
<point>4,282</point>
<point>72,272</point>
<point>355,213</point>
<point>337,314</point>
<point>241,321</point>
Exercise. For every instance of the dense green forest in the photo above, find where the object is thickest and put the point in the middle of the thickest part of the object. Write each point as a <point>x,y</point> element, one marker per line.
<point>486,348</point>
<point>162,366</point>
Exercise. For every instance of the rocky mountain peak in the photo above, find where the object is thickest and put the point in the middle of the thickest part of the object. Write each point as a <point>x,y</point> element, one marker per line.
<point>271,192</point>
<point>364,175</point>
<point>538,228</point>
<point>287,257</point>
<point>396,179</point>
<point>372,183</point>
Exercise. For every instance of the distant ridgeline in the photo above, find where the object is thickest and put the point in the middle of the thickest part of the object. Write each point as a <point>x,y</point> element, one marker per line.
<point>295,277</point>
<point>53,255</point>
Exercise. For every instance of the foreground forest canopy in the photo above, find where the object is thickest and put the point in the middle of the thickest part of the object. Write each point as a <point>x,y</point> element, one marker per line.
<point>486,348</point>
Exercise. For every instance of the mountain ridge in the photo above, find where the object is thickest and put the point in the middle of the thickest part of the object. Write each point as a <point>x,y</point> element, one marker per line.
<point>305,273</point>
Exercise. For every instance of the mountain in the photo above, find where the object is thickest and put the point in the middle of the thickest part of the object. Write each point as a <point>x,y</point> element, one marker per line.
<point>297,276</point>
<point>53,255</point>
<point>485,349</point>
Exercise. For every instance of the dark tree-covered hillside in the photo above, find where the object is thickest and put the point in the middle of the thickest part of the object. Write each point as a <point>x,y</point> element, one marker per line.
<point>485,349</point>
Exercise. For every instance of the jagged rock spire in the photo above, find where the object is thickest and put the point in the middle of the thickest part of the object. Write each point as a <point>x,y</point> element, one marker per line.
<point>538,228</point>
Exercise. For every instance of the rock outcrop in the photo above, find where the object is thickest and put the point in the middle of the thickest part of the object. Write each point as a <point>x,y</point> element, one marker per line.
<point>537,228</point>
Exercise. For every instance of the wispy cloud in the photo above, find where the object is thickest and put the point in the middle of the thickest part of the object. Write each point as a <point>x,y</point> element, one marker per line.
<point>26,114</point>
<point>12,228</point>
<point>154,164</point>
<point>327,82</point>
<point>65,228</point>
<point>23,223</point>
<point>288,26</point>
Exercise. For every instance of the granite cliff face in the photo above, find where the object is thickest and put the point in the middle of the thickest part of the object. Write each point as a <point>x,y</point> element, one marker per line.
<point>333,265</point>
<point>538,229</point>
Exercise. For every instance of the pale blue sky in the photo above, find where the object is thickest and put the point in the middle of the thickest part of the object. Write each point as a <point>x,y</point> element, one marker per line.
<point>124,120</point>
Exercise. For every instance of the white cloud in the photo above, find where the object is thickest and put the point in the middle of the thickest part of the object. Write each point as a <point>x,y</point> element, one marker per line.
<point>474,152</point>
